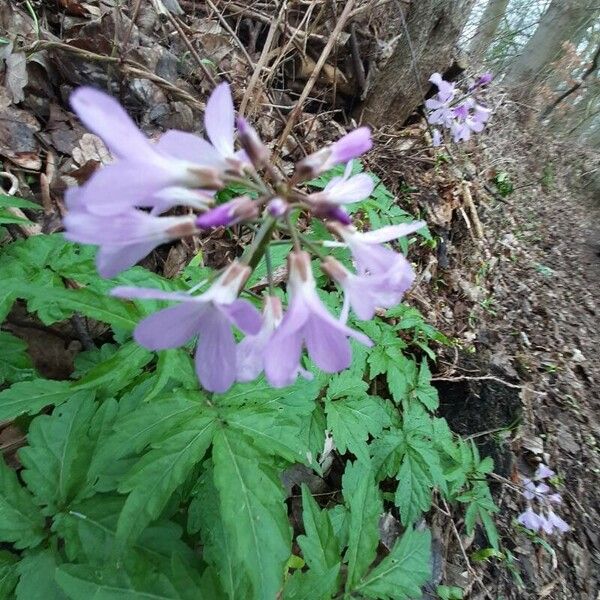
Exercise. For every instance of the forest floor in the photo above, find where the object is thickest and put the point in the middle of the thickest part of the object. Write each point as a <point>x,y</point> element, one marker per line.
<point>540,327</point>
<point>522,301</point>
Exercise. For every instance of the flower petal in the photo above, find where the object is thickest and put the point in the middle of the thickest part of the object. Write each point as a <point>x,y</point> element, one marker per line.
<point>111,260</point>
<point>219,120</point>
<point>116,188</point>
<point>327,345</point>
<point>244,315</point>
<point>215,355</point>
<point>282,358</point>
<point>354,189</point>
<point>170,327</point>
<point>189,147</point>
<point>103,115</point>
<point>391,232</point>
<point>141,293</point>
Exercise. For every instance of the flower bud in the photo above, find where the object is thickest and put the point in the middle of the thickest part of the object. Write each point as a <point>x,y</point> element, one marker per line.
<point>256,150</point>
<point>239,209</point>
<point>277,207</point>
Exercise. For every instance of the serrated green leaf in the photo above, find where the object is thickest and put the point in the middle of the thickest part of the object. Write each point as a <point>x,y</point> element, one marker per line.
<point>318,544</point>
<point>96,305</point>
<point>347,384</point>
<point>401,377</point>
<point>401,574</point>
<point>57,457</point>
<point>160,472</point>
<point>15,363</point>
<point>21,521</point>
<point>8,573</point>
<point>29,397</point>
<point>363,499</point>
<point>311,585</point>
<point>413,495</point>
<point>81,582</point>
<point>89,532</point>
<point>36,577</point>
<point>253,511</point>
<point>424,391</point>
<point>116,372</point>
<point>352,420</point>
<point>218,548</point>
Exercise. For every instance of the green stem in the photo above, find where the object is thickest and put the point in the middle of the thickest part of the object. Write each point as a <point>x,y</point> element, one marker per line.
<point>256,250</point>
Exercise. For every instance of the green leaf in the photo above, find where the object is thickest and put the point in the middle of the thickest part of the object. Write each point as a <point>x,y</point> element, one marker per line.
<point>218,549</point>
<point>401,377</point>
<point>347,385</point>
<point>113,374</point>
<point>8,573</point>
<point>17,202</point>
<point>413,494</point>
<point>160,472</point>
<point>96,305</point>
<point>29,397</point>
<point>318,544</point>
<point>253,511</point>
<point>401,574</point>
<point>81,582</point>
<point>363,499</point>
<point>21,522</point>
<point>57,458</point>
<point>311,585</point>
<point>424,391</point>
<point>36,577</point>
<point>352,420</point>
<point>89,529</point>
<point>15,363</point>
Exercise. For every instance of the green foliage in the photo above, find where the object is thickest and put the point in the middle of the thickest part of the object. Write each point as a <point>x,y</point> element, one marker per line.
<point>136,484</point>
<point>503,184</point>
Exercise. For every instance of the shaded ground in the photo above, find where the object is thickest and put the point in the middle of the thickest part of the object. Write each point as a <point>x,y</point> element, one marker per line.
<point>537,322</point>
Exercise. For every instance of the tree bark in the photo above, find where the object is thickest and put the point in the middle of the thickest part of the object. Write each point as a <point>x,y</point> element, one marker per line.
<point>486,29</point>
<point>561,22</point>
<point>433,27</point>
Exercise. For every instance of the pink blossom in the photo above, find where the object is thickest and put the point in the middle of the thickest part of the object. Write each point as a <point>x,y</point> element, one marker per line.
<point>209,316</point>
<point>239,209</point>
<point>350,146</point>
<point>124,238</point>
<point>366,293</point>
<point>307,323</point>
<point>142,169</point>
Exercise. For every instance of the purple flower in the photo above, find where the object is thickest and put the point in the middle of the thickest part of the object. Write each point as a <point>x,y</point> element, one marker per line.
<point>350,146</point>
<point>143,170</point>
<point>436,138</point>
<point>531,520</point>
<point>208,316</point>
<point>242,208</point>
<point>251,350</point>
<point>555,498</point>
<point>554,522</point>
<point>277,207</point>
<point>124,238</point>
<point>307,322</point>
<point>544,472</point>
<point>445,88</point>
<point>367,293</point>
<point>484,79</point>
<point>345,189</point>
<point>255,149</point>
<point>370,256</point>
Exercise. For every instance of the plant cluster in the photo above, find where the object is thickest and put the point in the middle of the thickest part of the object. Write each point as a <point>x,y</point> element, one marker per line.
<point>135,483</point>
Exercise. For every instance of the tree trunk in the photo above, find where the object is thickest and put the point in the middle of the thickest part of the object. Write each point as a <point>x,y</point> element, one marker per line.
<point>486,29</point>
<point>561,22</point>
<point>433,26</point>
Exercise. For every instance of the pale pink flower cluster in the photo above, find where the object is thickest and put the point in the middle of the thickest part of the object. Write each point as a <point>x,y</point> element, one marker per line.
<point>460,114</point>
<point>540,495</point>
<point>121,209</point>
